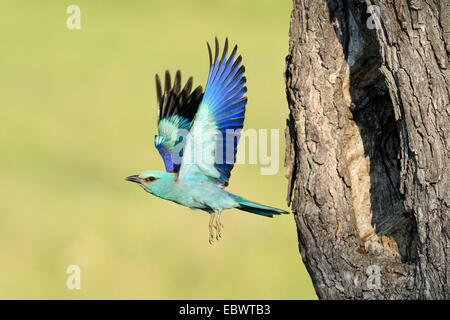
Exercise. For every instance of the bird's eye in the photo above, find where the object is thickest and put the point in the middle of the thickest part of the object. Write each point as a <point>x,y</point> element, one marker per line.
<point>150,179</point>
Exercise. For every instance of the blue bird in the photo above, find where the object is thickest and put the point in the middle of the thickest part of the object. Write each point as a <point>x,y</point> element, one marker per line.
<point>198,133</point>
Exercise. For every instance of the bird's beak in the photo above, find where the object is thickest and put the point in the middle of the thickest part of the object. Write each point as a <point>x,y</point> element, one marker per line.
<point>134,178</point>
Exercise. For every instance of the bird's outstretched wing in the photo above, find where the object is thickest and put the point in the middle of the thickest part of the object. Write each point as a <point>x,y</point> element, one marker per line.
<point>176,109</point>
<point>211,144</point>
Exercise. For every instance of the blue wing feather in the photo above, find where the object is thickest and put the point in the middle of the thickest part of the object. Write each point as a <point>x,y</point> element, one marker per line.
<point>222,109</point>
<point>228,108</point>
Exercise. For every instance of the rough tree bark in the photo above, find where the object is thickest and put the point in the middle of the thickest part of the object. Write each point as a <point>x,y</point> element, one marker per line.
<point>368,146</point>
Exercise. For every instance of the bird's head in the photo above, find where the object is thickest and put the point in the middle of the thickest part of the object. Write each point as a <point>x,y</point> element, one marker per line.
<point>151,181</point>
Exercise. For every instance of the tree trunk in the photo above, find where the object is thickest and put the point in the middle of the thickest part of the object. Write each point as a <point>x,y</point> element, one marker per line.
<point>368,146</point>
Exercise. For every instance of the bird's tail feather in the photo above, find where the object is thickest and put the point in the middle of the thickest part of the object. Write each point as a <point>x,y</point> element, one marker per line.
<point>256,208</point>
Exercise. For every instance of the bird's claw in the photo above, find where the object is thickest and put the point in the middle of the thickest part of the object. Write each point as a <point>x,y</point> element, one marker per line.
<point>214,223</point>
<point>211,236</point>
<point>218,228</point>
<point>219,232</point>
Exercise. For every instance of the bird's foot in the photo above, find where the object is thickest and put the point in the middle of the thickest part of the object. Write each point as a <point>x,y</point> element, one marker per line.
<point>211,228</point>
<point>218,233</point>
<point>218,225</point>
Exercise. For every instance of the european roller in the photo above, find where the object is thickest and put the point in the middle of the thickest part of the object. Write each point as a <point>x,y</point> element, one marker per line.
<point>198,133</point>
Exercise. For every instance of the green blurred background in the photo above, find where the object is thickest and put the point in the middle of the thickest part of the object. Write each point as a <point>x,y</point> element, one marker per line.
<point>78,114</point>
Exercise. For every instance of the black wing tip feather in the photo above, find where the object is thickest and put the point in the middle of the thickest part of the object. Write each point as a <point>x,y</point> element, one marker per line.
<point>177,82</point>
<point>216,54</point>
<point>224,52</point>
<point>209,53</point>
<point>158,89</point>
<point>167,83</point>
<point>174,100</point>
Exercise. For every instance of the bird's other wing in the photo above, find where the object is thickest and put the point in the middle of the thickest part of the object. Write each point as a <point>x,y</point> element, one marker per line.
<point>176,109</point>
<point>211,144</point>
